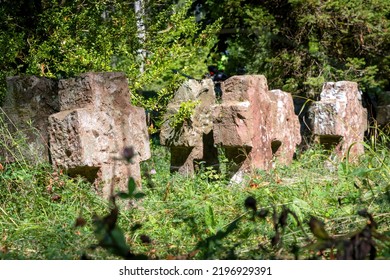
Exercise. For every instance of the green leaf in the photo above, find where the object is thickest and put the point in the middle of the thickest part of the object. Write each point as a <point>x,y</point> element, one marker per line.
<point>210,219</point>
<point>120,246</point>
<point>131,185</point>
<point>123,195</point>
<point>363,172</point>
<point>300,208</point>
<point>139,195</point>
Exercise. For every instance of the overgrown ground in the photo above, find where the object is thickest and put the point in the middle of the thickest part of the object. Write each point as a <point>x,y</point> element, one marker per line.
<point>206,217</point>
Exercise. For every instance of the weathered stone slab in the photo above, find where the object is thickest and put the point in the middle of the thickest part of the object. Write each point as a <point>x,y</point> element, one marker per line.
<point>96,123</point>
<point>286,128</point>
<point>106,90</point>
<point>192,142</point>
<point>28,103</point>
<point>338,121</point>
<point>257,127</point>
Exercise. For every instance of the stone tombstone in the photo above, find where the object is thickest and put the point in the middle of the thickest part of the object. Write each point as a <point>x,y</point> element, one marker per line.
<point>192,142</point>
<point>254,126</point>
<point>95,124</point>
<point>338,120</point>
<point>28,103</point>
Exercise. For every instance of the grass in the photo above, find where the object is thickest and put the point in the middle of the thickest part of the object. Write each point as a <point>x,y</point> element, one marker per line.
<point>38,211</point>
<point>180,214</point>
<point>179,211</point>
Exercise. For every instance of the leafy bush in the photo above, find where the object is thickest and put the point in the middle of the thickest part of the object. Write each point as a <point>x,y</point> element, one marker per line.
<point>184,113</point>
<point>298,45</point>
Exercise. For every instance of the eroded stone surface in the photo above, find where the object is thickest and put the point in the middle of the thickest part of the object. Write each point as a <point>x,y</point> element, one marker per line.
<point>28,103</point>
<point>338,121</point>
<point>192,142</point>
<point>95,124</point>
<point>257,127</point>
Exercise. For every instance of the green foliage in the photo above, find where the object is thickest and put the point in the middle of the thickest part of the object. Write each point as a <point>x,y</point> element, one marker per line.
<point>184,114</point>
<point>210,173</point>
<point>11,42</point>
<point>82,36</point>
<point>210,218</point>
<point>39,208</point>
<point>300,44</point>
<point>131,186</point>
<point>174,41</point>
